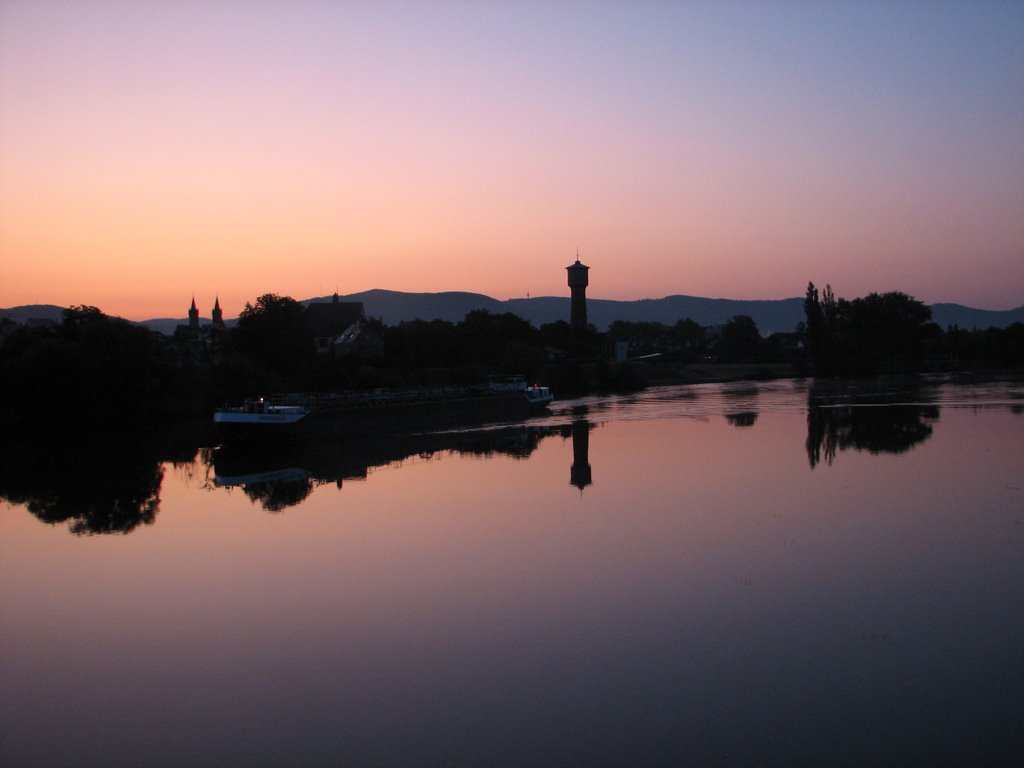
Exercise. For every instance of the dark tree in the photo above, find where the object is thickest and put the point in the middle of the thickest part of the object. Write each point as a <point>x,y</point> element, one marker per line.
<point>815,322</point>
<point>557,335</point>
<point>421,344</point>
<point>485,337</point>
<point>741,342</point>
<point>822,329</point>
<point>866,335</point>
<point>79,315</point>
<point>884,330</point>
<point>273,334</point>
<point>690,338</point>
<point>89,371</point>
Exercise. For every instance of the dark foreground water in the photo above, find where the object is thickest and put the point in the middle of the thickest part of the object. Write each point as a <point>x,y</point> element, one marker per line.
<point>773,574</point>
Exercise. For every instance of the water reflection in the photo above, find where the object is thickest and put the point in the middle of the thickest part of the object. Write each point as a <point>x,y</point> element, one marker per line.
<point>742,419</point>
<point>280,492</point>
<point>112,485</point>
<point>701,607</point>
<point>742,401</point>
<point>95,485</point>
<point>282,475</point>
<point>877,420</point>
<point>580,474</point>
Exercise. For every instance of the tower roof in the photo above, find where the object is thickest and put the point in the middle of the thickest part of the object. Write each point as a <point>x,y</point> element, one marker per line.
<point>331,318</point>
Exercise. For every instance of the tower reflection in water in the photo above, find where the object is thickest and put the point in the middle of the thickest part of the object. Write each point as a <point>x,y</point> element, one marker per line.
<point>579,474</point>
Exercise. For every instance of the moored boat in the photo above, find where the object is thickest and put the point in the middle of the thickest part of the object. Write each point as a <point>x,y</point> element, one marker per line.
<point>384,410</point>
<point>258,412</point>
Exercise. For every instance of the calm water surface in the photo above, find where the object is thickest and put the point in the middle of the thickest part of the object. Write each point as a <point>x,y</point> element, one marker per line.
<point>775,574</point>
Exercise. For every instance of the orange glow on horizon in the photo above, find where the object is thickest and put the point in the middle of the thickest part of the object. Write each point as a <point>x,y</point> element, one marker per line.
<point>173,151</point>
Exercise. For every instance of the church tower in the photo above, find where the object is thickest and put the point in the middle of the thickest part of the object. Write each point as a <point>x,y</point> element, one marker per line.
<point>218,315</point>
<point>578,281</point>
<point>193,317</point>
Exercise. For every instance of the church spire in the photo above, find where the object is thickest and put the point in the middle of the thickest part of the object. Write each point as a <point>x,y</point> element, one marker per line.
<point>193,315</point>
<point>218,315</point>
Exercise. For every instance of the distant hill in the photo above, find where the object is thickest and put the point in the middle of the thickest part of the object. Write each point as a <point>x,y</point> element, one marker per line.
<point>394,307</point>
<point>27,312</point>
<point>970,318</point>
<point>166,325</point>
<point>770,316</point>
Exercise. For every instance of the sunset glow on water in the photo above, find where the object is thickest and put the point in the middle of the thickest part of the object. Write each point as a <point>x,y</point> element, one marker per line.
<point>709,595</point>
<point>769,572</point>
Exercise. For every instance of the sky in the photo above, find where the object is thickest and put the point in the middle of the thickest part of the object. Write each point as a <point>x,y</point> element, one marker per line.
<point>155,151</point>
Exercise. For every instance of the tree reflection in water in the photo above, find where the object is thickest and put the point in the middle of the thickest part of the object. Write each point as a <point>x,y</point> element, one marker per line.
<point>743,419</point>
<point>95,485</point>
<point>883,423</point>
<point>277,495</point>
<point>283,474</point>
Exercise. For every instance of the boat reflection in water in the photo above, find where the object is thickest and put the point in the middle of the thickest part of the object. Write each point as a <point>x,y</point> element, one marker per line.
<point>281,475</point>
<point>97,484</point>
<point>676,587</point>
<point>284,473</point>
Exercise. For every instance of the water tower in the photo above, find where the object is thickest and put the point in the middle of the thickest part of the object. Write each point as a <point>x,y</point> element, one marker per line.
<point>578,286</point>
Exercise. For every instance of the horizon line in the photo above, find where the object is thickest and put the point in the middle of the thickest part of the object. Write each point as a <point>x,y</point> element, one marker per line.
<point>502,301</point>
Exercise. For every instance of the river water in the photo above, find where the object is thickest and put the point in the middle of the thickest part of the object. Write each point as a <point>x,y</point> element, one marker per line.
<point>732,574</point>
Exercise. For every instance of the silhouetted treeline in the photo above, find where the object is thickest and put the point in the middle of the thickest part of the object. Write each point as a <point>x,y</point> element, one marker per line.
<point>88,371</point>
<point>687,342</point>
<point>270,350</point>
<point>91,371</point>
<point>893,332</point>
<point>961,349</point>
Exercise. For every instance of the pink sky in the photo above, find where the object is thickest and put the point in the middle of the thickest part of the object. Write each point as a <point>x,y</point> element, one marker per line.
<point>149,151</point>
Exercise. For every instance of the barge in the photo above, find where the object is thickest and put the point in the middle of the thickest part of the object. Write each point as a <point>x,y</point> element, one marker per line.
<point>380,411</point>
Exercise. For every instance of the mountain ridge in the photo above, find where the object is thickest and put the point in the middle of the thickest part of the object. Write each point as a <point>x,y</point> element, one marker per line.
<point>393,307</point>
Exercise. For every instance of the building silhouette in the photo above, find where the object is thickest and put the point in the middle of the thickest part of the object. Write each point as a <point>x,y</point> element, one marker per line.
<point>202,334</point>
<point>218,315</point>
<point>338,327</point>
<point>578,281</point>
<point>193,317</point>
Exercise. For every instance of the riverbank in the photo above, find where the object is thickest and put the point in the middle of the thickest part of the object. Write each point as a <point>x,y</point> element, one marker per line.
<point>654,375</point>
